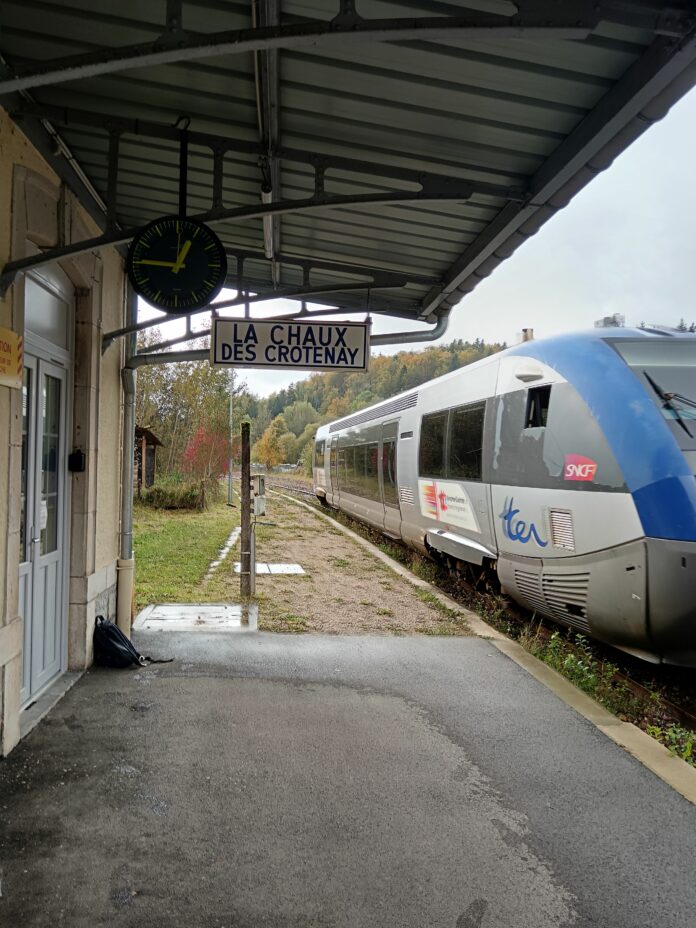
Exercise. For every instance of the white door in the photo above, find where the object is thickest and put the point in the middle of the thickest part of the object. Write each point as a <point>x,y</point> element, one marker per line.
<point>42,536</point>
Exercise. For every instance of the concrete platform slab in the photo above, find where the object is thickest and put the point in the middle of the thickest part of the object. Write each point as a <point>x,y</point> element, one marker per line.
<point>264,568</point>
<point>197,617</point>
<point>330,781</point>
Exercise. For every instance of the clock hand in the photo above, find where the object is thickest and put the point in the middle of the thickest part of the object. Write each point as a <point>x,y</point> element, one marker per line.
<point>179,263</point>
<point>158,263</point>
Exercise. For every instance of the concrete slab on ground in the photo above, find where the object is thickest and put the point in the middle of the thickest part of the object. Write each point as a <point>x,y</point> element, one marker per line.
<point>197,617</point>
<point>263,568</point>
<point>334,782</point>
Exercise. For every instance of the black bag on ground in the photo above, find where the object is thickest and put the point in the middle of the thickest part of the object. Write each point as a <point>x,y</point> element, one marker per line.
<point>113,649</point>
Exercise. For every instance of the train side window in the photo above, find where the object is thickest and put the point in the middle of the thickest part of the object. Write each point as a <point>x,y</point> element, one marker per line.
<point>466,442</point>
<point>431,452</point>
<point>391,494</point>
<point>319,454</point>
<point>538,399</point>
<point>372,471</point>
<point>345,466</point>
<point>358,483</point>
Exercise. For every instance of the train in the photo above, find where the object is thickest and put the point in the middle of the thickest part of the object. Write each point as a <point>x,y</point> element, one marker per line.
<point>563,466</point>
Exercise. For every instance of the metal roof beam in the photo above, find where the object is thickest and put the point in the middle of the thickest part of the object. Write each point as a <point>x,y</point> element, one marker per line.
<point>267,81</point>
<point>572,19</point>
<point>389,338</point>
<point>385,281</point>
<point>433,189</point>
<point>72,118</point>
<point>310,263</point>
<point>619,111</point>
<point>203,354</point>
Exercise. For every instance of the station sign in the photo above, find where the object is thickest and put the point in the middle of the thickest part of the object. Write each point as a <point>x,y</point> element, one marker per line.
<point>284,343</point>
<point>11,358</point>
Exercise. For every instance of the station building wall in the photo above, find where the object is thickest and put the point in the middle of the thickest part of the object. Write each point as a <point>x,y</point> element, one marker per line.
<point>37,211</point>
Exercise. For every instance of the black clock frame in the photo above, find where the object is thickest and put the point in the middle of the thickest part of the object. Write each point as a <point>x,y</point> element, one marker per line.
<point>177,295</point>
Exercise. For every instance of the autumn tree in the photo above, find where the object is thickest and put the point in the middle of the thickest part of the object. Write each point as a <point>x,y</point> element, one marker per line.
<point>177,400</point>
<point>269,448</point>
<point>298,415</point>
<point>206,455</point>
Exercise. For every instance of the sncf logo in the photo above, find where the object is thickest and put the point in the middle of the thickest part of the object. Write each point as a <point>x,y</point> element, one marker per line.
<point>577,467</point>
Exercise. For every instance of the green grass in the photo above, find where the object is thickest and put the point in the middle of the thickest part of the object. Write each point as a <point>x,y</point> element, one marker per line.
<point>173,550</point>
<point>572,655</point>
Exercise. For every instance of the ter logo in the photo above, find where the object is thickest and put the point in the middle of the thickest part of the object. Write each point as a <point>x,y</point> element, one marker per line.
<point>577,467</point>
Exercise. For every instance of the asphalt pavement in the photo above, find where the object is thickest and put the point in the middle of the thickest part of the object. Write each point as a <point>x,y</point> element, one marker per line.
<point>331,781</point>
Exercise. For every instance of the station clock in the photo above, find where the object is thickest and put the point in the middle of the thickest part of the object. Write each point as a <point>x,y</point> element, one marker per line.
<point>177,264</point>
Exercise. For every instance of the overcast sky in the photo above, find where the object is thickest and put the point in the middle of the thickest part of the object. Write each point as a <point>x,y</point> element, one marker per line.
<point>625,245</point>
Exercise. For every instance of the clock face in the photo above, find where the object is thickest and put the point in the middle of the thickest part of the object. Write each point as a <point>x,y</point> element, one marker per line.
<point>176,264</point>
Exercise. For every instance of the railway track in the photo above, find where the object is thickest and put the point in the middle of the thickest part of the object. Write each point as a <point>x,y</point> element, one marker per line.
<point>676,686</point>
<point>294,486</point>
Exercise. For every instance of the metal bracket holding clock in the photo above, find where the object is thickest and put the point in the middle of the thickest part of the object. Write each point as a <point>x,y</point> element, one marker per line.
<point>177,264</point>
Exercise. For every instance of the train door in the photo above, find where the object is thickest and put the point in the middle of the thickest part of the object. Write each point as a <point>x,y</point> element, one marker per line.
<point>388,478</point>
<point>333,467</point>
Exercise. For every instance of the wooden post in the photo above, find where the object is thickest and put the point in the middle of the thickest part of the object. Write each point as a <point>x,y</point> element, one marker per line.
<point>230,498</point>
<point>245,503</point>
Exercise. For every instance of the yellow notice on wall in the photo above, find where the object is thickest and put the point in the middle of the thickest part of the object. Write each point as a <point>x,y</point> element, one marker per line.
<point>11,358</point>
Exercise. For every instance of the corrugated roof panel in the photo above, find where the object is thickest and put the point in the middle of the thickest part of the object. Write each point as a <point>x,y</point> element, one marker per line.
<point>518,113</point>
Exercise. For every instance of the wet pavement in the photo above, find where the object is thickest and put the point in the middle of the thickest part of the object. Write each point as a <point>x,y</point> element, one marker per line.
<point>301,781</point>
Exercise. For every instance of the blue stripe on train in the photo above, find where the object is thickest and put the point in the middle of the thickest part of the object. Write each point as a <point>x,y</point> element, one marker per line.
<point>656,471</point>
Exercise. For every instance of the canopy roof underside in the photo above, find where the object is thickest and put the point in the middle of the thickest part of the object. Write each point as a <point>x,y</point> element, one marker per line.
<point>384,163</point>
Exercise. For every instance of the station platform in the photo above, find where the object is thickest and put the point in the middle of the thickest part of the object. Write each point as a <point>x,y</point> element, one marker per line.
<point>324,780</point>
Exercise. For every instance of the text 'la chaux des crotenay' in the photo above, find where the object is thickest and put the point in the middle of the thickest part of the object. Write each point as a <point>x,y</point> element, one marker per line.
<point>274,343</point>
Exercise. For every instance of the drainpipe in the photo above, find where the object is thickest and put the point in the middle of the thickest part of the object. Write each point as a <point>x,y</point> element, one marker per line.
<point>410,338</point>
<point>126,561</point>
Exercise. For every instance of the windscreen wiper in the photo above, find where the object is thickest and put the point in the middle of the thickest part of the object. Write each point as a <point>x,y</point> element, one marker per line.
<point>668,404</point>
<point>684,400</point>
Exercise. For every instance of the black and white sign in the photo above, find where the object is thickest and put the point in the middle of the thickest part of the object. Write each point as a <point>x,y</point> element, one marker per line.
<point>275,343</point>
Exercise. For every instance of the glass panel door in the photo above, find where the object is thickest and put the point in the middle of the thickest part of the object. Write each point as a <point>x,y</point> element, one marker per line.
<point>50,458</point>
<point>26,528</point>
<point>42,550</point>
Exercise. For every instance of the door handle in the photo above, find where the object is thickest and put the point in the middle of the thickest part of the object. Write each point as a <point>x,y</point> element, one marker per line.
<point>35,541</point>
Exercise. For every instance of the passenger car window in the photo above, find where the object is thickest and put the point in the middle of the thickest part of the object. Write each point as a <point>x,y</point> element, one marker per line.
<point>319,454</point>
<point>465,442</point>
<point>431,452</point>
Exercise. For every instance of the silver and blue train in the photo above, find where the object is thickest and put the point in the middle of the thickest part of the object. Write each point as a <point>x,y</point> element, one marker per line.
<point>565,465</point>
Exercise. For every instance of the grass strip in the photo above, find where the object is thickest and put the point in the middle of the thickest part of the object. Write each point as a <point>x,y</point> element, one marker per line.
<point>173,550</point>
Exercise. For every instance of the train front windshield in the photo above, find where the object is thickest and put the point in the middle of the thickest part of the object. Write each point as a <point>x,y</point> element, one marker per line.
<point>667,369</point>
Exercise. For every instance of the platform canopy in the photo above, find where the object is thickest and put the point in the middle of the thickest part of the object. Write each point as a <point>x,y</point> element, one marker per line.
<point>365,155</point>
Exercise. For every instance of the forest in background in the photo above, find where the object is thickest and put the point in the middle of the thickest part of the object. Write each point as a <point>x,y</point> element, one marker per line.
<point>186,405</point>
